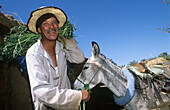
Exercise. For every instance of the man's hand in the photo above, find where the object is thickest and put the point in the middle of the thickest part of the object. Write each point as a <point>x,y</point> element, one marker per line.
<point>60,40</point>
<point>85,95</point>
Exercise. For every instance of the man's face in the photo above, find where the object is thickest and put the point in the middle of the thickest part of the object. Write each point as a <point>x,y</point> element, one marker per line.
<point>49,29</point>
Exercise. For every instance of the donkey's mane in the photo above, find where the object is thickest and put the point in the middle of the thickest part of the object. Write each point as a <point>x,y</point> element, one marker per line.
<point>104,58</point>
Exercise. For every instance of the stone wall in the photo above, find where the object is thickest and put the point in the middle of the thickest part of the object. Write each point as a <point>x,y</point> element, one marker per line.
<point>14,87</point>
<point>6,23</point>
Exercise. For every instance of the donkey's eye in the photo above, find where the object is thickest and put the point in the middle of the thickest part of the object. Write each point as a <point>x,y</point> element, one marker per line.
<point>86,67</point>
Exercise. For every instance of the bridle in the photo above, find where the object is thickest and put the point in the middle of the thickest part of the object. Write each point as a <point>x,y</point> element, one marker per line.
<point>96,72</point>
<point>93,75</point>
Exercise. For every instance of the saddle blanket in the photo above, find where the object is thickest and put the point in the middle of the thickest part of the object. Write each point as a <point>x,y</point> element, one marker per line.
<point>130,91</point>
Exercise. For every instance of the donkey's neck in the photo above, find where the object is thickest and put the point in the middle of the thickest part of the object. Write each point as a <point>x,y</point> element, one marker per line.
<point>115,80</point>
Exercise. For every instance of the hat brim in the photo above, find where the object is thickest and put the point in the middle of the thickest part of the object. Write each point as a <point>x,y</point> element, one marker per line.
<point>60,15</point>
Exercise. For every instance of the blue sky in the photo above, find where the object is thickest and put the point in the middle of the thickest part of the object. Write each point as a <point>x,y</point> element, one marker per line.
<point>126,30</point>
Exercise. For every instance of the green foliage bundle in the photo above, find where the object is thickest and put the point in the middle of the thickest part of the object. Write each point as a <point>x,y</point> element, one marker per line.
<point>67,30</point>
<point>17,43</point>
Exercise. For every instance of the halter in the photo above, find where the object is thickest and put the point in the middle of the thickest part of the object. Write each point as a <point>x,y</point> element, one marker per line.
<point>96,72</point>
<point>93,76</point>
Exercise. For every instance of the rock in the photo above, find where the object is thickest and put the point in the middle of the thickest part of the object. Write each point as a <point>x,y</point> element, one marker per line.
<point>6,23</point>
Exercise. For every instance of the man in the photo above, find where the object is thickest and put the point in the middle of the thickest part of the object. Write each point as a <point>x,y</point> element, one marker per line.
<point>46,63</point>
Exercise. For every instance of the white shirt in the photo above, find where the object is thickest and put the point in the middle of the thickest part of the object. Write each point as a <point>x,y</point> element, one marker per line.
<point>50,86</point>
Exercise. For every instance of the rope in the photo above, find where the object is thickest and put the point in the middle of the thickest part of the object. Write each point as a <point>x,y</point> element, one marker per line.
<point>86,87</point>
<point>96,72</point>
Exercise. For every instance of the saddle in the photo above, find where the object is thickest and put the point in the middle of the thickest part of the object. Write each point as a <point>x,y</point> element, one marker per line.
<point>157,70</point>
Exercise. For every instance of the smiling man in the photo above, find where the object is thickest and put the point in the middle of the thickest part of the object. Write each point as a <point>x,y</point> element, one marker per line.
<point>46,63</point>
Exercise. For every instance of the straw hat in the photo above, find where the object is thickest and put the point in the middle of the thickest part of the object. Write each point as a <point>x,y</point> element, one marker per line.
<point>59,14</point>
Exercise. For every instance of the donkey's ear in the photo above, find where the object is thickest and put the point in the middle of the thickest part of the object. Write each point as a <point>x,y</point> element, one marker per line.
<point>95,49</point>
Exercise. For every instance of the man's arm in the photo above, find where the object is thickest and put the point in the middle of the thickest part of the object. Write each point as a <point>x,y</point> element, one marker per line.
<point>73,53</point>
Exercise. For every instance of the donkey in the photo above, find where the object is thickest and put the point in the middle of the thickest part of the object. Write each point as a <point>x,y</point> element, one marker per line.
<point>121,82</point>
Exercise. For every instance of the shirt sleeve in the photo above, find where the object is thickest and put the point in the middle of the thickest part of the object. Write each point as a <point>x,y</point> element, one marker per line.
<point>46,93</point>
<point>73,52</point>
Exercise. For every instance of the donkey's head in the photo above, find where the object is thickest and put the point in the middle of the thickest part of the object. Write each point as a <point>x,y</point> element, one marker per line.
<point>99,69</point>
<point>89,70</point>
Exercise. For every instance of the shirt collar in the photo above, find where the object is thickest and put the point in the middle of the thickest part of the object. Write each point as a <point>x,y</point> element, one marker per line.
<point>45,52</point>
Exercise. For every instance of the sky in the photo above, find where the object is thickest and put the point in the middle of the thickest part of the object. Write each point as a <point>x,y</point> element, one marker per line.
<point>125,30</point>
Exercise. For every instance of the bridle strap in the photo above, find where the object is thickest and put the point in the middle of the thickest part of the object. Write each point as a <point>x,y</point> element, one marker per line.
<point>96,72</point>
